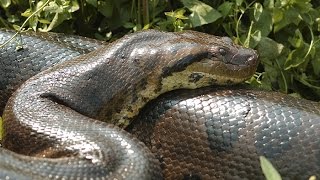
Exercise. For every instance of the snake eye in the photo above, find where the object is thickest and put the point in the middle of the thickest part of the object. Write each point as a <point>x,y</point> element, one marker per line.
<point>222,51</point>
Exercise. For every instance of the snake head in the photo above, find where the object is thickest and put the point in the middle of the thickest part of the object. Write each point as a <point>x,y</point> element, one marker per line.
<point>199,59</point>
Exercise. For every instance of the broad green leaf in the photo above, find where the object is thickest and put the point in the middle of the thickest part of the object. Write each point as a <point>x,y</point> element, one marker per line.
<point>290,16</point>
<point>5,3</point>
<point>263,20</point>
<point>44,21</point>
<point>94,3</point>
<point>296,40</point>
<point>269,4</point>
<point>316,61</point>
<point>26,13</point>
<point>16,27</point>
<point>74,7</point>
<point>33,22</point>
<point>239,2</point>
<point>258,8</point>
<point>268,170</point>
<point>13,19</point>
<point>53,7</point>
<point>296,58</point>
<point>201,12</point>
<point>269,49</point>
<point>225,8</point>
<point>304,6</point>
<point>255,39</point>
<point>277,15</point>
<point>105,8</point>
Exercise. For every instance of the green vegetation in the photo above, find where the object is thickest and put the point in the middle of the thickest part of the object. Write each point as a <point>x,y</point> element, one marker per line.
<point>268,170</point>
<point>285,32</point>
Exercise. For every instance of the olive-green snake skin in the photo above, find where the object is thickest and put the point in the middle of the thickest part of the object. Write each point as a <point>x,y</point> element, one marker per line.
<point>57,124</point>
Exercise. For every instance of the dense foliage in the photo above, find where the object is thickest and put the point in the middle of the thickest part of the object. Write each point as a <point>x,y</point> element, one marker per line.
<point>285,32</point>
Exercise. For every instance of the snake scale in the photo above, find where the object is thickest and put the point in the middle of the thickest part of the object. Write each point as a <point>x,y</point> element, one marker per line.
<point>55,122</point>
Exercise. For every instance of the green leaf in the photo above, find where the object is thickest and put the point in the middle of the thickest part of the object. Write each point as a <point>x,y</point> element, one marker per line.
<point>269,49</point>
<point>33,22</point>
<point>263,20</point>
<point>255,39</point>
<point>5,3</point>
<point>105,8</point>
<point>296,58</point>
<point>288,16</point>
<point>177,14</point>
<point>225,8</point>
<point>268,170</point>
<point>74,7</point>
<point>269,4</point>
<point>94,3</point>
<point>13,18</point>
<point>239,2</point>
<point>26,13</point>
<point>53,7</point>
<point>44,21</point>
<point>201,12</point>
<point>296,40</point>
<point>316,61</point>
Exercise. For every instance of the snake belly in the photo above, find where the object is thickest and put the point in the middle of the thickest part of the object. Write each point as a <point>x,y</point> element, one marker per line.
<point>54,122</point>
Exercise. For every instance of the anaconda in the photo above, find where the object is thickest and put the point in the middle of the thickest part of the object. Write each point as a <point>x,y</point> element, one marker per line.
<point>52,114</point>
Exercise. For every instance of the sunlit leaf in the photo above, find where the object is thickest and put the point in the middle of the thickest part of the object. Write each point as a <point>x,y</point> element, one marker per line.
<point>26,13</point>
<point>201,12</point>
<point>74,7</point>
<point>269,4</point>
<point>239,2</point>
<point>44,21</point>
<point>5,3</point>
<point>268,170</point>
<point>178,14</point>
<point>53,8</point>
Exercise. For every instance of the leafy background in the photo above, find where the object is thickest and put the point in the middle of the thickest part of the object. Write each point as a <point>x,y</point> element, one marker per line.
<point>285,32</point>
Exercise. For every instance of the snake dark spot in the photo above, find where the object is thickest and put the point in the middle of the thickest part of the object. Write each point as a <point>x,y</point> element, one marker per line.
<point>182,64</point>
<point>195,77</point>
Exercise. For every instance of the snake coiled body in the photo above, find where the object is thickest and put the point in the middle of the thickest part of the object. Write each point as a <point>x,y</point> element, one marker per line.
<point>220,135</point>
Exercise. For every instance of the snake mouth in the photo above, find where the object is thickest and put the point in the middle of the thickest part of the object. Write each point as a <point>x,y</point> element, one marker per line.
<point>208,69</point>
<point>237,67</point>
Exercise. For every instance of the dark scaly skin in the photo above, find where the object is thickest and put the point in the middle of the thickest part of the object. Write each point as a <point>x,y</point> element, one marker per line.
<point>39,52</point>
<point>52,114</point>
<point>214,133</point>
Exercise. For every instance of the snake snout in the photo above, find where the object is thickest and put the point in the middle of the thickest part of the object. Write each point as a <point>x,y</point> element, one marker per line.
<point>245,57</point>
